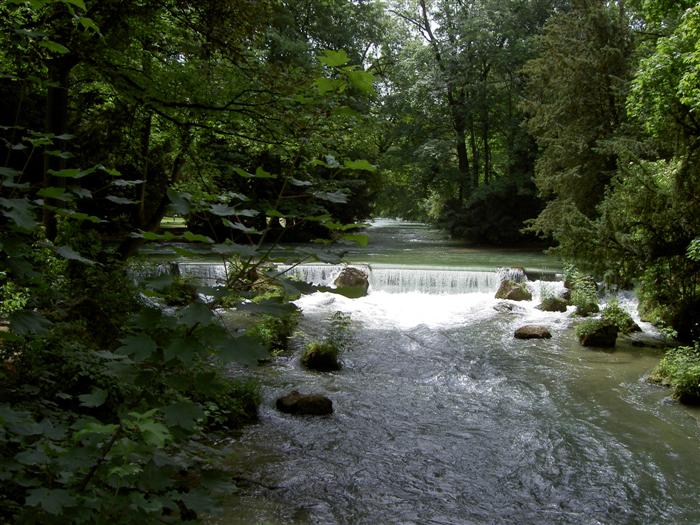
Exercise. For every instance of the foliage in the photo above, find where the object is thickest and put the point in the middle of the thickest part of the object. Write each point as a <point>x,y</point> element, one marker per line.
<point>615,314</point>
<point>275,332</point>
<point>589,326</point>
<point>584,291</point>
<point>324,354</point>
<point>680,369</point>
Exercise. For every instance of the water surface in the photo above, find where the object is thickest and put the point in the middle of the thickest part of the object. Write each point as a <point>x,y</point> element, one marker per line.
<point>442,417</point>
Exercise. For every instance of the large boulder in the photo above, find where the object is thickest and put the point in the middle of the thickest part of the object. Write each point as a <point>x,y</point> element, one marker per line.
<point>597,333</point>
<point>552,304</point>
<point>513,291</point>
<point>304,404</point>
<point>532,331</point>
<point>352,282</point>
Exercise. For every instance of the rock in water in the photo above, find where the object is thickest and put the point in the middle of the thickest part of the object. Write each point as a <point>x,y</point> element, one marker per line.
<point>352,282</point>
<point>603,336</point>
<point>305,404</point>
<point>532,331</point>
<point>513,291</point>
<point>552,304</point>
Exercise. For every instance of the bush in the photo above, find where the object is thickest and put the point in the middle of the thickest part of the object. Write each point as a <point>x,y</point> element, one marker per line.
<point>584,291</point>
<point>615,314</point>
<point>680,369</point>
<point>275,332</point>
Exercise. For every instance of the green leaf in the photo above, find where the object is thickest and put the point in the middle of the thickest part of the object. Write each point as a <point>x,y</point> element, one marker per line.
<point>222,210</point>
<point>72,173</point>
<point>60,154</point>
<point>243,173</point>
<point>362,80</point>
<point>26,322</point>
<point>88,24</point>
<point>239,226</point>
<point>274,213</point>
<point>360,164</point>
<point>20,211</point>
<point>246,350</point>
<point>65,136</point>
<point>123,182</point>
<point>140,347</point>
<point>94,399</point>
<point>154,433</point>
<point>196,314</point>
<point>183,414</point>
<point>327,85</point>
<point>54,47</point>
<point>297,182</point>
<point>182,348</point>
<point>332,58</point>
<point>68,253</point>
<point>198,501</point>
<point>120,200</point>
<point>260,173</point>
<point>195,237</point>
<point>179,201</point>
<point>9,172</point>
<point>77,3</point>
<point>247,213</point>
<point>339,197</point>
<point>52,501</point>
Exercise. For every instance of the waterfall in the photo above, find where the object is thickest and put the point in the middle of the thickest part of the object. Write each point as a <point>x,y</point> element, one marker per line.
<point>434,280</point>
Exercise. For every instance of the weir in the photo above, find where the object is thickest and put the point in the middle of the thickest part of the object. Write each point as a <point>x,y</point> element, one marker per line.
<point>396,279</point>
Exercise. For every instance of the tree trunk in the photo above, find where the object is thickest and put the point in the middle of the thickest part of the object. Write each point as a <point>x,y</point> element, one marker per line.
<point>475,155</point>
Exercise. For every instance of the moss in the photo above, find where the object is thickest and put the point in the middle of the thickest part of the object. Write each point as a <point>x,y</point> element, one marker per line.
<point>680,369</point>
<point>321,355</point>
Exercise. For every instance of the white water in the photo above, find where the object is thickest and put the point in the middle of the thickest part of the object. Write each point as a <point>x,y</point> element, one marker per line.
<point>405,279</point>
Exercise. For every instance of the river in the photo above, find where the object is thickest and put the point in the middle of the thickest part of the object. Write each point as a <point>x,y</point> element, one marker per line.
<point>442,417</point>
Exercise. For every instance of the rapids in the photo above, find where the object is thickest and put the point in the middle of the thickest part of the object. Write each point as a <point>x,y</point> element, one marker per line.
<point>442,417</point>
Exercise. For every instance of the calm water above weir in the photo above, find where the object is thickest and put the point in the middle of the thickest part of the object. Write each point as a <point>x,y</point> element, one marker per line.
<point>441,416</point>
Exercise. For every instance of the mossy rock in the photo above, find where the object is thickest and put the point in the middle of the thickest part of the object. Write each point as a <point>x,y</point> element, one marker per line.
<point>352,282</point>
<point>513,291</point>
<point>552,304</point>
<point>321,356</point>
<point>597,333</point>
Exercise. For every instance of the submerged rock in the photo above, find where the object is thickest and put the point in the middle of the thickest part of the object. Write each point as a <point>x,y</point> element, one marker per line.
<point>352,282</point>
<point>532,331</point>
<point>304,404</point>
<point>513,291</point>
<point>505,307</point>
<point>552,304</point>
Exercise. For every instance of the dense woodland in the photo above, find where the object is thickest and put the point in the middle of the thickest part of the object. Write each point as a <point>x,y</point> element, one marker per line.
<point>572,123</point>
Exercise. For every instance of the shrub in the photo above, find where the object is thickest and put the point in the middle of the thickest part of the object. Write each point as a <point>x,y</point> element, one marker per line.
<point>275,332</point>
<point>618,316</point>
<point>584,293</point>
<point>680,369</point>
